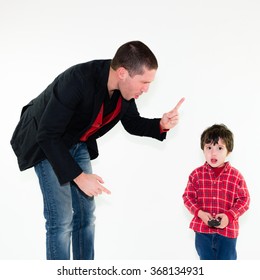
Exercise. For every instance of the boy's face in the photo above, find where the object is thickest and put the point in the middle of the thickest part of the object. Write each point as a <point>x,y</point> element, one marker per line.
<point>215,155</point>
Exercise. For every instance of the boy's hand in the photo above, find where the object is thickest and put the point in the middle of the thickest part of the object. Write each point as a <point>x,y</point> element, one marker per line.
<point>224,220</point>
<point>204,216</point>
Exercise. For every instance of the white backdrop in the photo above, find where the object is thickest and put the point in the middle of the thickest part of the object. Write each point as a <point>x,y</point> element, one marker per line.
<point>208,52</point>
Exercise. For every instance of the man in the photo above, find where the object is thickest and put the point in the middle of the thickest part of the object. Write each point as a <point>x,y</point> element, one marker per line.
<point>57,135</point>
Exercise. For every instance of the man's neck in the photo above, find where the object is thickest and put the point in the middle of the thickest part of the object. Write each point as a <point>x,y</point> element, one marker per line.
<point>112,82</point>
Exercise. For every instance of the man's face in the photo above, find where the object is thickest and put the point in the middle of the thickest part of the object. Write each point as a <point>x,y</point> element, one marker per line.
<point>133,87</point>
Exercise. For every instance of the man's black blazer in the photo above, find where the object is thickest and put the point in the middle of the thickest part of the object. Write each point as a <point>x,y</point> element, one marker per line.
<point>55,120</point>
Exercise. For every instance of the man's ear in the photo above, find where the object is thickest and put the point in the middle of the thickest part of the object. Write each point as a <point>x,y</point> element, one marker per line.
<point>122,73</point>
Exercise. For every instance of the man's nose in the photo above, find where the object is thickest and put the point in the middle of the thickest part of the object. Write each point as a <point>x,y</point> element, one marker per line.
<point>145,88</point>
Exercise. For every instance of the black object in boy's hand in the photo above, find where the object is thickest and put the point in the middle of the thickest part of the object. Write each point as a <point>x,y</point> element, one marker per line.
<point>214,223</point>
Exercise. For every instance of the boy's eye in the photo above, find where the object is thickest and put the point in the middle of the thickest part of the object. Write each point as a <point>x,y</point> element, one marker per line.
<point>220,148</point>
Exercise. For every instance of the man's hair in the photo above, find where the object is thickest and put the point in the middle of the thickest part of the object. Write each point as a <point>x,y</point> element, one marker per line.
<point>212,134</point>
<point>134,56</point>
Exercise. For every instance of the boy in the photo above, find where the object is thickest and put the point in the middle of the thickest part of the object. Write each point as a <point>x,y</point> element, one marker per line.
<point>217,195</point>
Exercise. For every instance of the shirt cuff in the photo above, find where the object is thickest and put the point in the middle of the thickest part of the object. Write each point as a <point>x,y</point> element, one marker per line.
<point>196,213</point>
<point>230,217</point>
<point>163,130</point>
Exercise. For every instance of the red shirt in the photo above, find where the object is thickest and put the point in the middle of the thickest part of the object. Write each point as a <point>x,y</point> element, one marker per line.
<point>102,120</point>
<point>227,193</point>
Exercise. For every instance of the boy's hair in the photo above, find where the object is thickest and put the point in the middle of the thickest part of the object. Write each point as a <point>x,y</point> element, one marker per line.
<point>134,56</point>
<point>212,134</point>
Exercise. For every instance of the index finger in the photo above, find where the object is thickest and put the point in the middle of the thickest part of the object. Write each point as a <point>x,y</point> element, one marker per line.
<point>179,104</point>
<point>176,108</point>
<point>105,190</point>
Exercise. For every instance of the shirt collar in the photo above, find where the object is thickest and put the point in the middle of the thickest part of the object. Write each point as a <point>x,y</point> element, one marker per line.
<point>227,166</point>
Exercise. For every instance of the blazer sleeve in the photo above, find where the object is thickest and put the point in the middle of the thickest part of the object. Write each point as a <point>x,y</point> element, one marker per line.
<point>49,138</point>
<point>53,126</point>
<point>134,124</point>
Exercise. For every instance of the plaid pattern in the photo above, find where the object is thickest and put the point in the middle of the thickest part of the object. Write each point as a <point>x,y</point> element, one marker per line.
<point>226,193</point>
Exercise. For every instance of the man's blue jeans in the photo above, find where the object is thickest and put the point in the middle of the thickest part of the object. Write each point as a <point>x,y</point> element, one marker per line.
<point>69,213</point>
<point>215,247</point>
